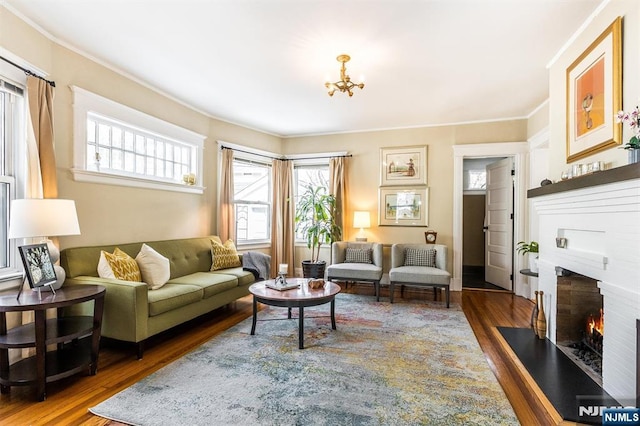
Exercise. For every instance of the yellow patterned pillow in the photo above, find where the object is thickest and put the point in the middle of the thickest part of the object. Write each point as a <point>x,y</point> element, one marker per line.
<point>224,256</point>
<point>123,266</point>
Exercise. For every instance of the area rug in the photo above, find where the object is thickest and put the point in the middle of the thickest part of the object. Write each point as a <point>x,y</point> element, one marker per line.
<point>407,363</point>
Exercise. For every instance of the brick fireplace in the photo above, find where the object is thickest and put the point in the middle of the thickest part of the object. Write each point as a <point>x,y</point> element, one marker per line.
<point>598,216</point>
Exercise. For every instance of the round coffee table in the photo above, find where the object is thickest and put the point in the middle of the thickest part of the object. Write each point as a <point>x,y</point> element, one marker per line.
<point>300,298</point>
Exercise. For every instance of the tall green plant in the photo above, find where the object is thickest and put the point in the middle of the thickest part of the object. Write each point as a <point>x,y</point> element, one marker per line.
<point>314,218</point>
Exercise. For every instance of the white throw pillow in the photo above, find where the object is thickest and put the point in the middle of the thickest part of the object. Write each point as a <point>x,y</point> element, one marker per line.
<point>104,269</point>
<point>154,267</point>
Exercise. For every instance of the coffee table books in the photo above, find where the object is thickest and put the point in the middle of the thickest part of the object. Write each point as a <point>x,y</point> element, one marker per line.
<point>283,284</point>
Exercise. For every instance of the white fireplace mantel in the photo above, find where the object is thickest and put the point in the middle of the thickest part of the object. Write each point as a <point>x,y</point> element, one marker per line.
<point>600,223</point>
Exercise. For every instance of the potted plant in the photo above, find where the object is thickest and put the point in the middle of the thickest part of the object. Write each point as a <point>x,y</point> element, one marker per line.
<point>633,146</point>
<point>532,248</point>
<point>314,219</point>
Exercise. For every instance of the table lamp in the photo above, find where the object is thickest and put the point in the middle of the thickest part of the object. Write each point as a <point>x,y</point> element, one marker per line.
<point>44,217</point>
<point>361,220</point>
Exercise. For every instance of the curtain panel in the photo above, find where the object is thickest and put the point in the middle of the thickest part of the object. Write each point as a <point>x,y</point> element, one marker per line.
<point>40,97</point>
<point>282,217</point>
<point>338,188</point>
<point>227,219</point>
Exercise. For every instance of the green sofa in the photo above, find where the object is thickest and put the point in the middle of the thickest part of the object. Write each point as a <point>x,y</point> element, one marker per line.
<point>132,312</point>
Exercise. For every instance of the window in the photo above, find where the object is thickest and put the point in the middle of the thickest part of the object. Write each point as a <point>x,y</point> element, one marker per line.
<point>118,145</point>
<point>11,112</point>
<point>315,174</point>
<point>252,200</point>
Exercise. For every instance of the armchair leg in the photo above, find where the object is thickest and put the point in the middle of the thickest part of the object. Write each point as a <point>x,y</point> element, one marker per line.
<point>391,292</point>
<point>447,291</point>
<point>376,285</point>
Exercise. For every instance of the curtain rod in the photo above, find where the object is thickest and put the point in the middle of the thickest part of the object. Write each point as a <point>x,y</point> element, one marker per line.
<point>284,157</point>
<point>28,72</point>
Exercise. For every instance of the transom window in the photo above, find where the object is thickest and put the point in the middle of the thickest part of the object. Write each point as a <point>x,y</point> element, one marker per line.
<point>120,148</point>
<point>118,145</point>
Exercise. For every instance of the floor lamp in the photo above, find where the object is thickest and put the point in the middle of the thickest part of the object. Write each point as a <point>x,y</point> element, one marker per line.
<point>44,217</point>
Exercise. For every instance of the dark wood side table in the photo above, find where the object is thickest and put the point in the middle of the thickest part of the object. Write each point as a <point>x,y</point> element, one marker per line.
<point>77,337</point>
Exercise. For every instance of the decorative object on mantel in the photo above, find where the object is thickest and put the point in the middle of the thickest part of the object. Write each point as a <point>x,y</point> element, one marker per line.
<point>531,248</point>
<point>541,321</point>
<point>545,182</point>
<point>633,146</point>
<point>594,94</point>
<point>561,242</point>
<point>345,84</point>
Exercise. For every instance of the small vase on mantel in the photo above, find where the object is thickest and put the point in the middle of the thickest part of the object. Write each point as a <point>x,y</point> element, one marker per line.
<point>634,156</point>
<point>541,321</point>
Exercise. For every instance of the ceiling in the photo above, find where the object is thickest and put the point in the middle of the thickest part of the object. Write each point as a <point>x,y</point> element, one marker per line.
<point>263,63</point>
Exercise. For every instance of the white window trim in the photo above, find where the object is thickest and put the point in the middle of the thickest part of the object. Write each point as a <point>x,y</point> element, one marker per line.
<point>85,102</point>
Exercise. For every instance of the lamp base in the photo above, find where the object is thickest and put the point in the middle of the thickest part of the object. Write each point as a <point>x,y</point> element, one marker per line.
<point>361,239</point>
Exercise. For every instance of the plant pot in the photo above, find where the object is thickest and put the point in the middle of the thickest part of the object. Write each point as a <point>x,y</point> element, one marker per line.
<point>634,155</point>
<point>533,262</point>
<point>313,269</point>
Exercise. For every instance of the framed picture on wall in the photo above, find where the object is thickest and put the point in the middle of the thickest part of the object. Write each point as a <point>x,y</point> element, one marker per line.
<point>403,206</point>
<point>594,96</point>
<point>403,165</point>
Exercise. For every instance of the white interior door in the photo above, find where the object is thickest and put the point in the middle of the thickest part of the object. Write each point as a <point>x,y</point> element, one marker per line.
<point>499,224</point>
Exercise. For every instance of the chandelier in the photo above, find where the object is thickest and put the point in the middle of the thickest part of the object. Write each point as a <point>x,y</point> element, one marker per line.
<point>345,84</point>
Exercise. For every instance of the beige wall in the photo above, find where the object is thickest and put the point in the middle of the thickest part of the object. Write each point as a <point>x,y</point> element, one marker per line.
<point>538,121</point>
<point>364,173</point>
<point>614,157</point>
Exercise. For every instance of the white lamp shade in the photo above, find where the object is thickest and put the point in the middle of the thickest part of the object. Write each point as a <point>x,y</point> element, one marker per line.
<point>48,217</point>
<point>361,220</point>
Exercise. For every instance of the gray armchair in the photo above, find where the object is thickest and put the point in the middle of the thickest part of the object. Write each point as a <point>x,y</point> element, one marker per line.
<point>415,265</point>
<point>349,263</point>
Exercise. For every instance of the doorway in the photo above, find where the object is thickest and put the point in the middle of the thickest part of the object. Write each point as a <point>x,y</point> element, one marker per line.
<point>516,150</point>
<point>478,257</point>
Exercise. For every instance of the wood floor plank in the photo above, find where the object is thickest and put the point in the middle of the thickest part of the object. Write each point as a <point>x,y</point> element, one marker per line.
<point>68,401</point>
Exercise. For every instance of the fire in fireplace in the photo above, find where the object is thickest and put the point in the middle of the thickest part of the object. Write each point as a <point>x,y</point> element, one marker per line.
<point>594,334</point>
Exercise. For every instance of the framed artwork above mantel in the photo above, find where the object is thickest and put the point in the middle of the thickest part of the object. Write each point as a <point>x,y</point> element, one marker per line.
<point>594,96</point>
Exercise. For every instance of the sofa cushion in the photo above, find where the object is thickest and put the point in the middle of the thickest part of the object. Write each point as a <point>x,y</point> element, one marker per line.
<point>154,267</point>
<point>209,282</point>
<point>358,255</point>
<point>173,296</point>
<point>355,271</point>
<point>224,255</point>
<point>244,277</point>
<point>419,275</point>
<point>418,257</point>
<point>123,266</point>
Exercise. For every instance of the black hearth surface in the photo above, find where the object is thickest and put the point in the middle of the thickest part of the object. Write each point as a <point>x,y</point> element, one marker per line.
<point>564,384</point>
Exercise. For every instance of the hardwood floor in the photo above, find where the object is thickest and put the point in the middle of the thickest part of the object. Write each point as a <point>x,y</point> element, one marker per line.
<point>68,400</point>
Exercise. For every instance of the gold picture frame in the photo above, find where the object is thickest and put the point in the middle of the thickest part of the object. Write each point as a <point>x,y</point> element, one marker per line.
<point>403,206</point>
<point>403,165</point>
<point>594,96</point>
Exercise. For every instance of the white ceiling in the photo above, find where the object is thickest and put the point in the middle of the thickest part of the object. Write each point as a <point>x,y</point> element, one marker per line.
<point>263,63</point>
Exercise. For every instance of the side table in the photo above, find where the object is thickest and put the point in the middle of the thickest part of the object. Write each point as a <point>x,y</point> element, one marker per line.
<point>77,337</point>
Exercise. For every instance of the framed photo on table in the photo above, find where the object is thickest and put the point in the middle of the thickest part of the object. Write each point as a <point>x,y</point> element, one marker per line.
<point>594,96</point>
<point>37,265</point>
<point>403,165</point>
<point>403,206</point>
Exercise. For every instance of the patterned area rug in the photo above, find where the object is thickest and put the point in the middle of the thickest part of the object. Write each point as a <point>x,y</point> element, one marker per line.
<point>410,363</point>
